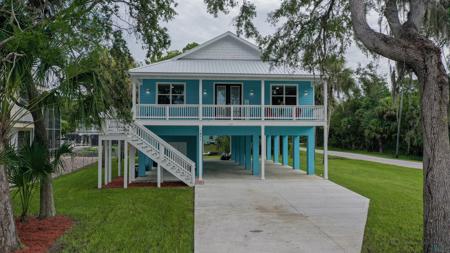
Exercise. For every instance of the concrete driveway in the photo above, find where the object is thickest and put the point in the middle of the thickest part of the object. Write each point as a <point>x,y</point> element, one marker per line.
<point>281,214</point>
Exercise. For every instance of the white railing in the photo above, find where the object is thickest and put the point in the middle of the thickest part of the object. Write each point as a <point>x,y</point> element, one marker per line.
<point>230,112</point>
<point>164,148</point>
<point>113,126</point>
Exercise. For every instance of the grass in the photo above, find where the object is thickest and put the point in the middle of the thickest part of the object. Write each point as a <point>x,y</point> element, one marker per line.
<point>394,221</point>
<point>117,220</point>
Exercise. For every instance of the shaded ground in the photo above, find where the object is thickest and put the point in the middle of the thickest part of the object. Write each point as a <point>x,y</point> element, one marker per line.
<point>118,183</point>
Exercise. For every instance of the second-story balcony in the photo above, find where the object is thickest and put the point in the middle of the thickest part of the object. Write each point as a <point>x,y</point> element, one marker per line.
<point>230,112</point>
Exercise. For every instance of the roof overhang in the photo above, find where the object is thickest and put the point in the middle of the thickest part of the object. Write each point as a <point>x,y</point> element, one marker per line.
<point>166,75</point>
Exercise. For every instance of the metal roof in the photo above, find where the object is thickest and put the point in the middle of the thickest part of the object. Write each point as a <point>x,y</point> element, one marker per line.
<point>216,67</point>
<point>220,57</point>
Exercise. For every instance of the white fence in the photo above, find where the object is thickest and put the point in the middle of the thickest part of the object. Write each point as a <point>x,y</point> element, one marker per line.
<point>230,112</point>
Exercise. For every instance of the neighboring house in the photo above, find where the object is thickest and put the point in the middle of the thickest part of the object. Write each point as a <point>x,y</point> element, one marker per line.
<point>23,130</point>
<point>83,136</point>
<point>220,88</point>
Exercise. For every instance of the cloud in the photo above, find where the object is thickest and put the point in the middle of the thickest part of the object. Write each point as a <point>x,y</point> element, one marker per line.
<point>193,23</point>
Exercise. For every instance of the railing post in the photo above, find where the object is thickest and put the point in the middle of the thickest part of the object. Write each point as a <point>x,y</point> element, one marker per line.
<point>262,100</point>
<point>231,108</point>
<point>133,98</point>
<point>200,100</point>
<point>167,112</point>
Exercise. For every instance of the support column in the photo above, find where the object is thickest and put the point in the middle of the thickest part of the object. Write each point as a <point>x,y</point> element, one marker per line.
<point>325,131</point>
<point>242,150</point>
<point>119,157</point>
<point>233,148</point>
<point>238,149</point>
<point>200,153</point>
<point>99,162</point>
<point>106,161</point>
<point>325,151</point>
<point>269,147</point>
<point>158,176</point>
<point>110,161</point>
<point>248,152</point>
<point>263,152</point>
<point>310,152</point>
<point>276,149</point>
<point>256,167</point>
<point>296,152</point>
<point>132,164</point>
<point>125,164</point>
<point>285,140</point>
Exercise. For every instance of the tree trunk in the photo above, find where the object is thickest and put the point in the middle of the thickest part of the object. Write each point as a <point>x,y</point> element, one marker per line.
<point>380,145</point>
<point>399,120</point>
<point>47,202</point>
<point>9,240</point>
<point>436,152</point>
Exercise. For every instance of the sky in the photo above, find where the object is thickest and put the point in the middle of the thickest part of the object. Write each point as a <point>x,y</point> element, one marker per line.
<point>194,24</point>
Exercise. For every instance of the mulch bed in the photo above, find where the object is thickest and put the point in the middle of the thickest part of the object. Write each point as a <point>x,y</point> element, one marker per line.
<point>39,235</point>
<point>118,183</point>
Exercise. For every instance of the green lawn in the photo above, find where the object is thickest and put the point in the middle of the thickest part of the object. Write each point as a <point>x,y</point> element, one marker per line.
<point>117,220</point>
<point>394,221</point>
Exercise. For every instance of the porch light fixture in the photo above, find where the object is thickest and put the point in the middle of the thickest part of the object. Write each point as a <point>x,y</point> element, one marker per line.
<point>147,91</point>
<point>204,92</point>
<point>305,93</point>
<point>252,93</point>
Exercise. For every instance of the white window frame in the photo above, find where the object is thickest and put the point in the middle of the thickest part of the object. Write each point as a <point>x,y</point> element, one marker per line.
<point>284,95</point>
<point>170,95</point>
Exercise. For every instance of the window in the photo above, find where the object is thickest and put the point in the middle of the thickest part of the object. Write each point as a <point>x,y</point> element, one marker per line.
<point>284,94</point>
<point>52,121</point>
<point>170,93</point>
<point>23,138</point>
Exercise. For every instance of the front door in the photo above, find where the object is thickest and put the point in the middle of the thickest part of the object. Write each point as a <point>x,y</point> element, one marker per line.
<point>228,94</point>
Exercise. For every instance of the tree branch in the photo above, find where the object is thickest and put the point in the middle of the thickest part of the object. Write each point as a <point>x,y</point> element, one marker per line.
<point>3,42</point>
<point>417,13</point>
<point>387,46</point>
<point>391,14</point>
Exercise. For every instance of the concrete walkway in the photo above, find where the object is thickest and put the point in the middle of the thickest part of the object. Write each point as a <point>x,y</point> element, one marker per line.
<point>355,156</point>
<point>287,212</point>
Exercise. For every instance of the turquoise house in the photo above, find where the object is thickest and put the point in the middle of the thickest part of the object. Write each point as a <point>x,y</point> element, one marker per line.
<point>220,88</point>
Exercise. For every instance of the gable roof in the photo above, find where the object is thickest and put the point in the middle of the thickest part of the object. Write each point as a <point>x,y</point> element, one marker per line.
<point>226,46</point>
<point>224,55</point>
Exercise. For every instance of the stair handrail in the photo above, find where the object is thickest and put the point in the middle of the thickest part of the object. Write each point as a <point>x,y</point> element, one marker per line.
<point>167,147</point>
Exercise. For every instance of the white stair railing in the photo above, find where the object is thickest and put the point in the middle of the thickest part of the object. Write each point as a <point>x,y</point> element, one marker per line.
<point>170,158</point>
